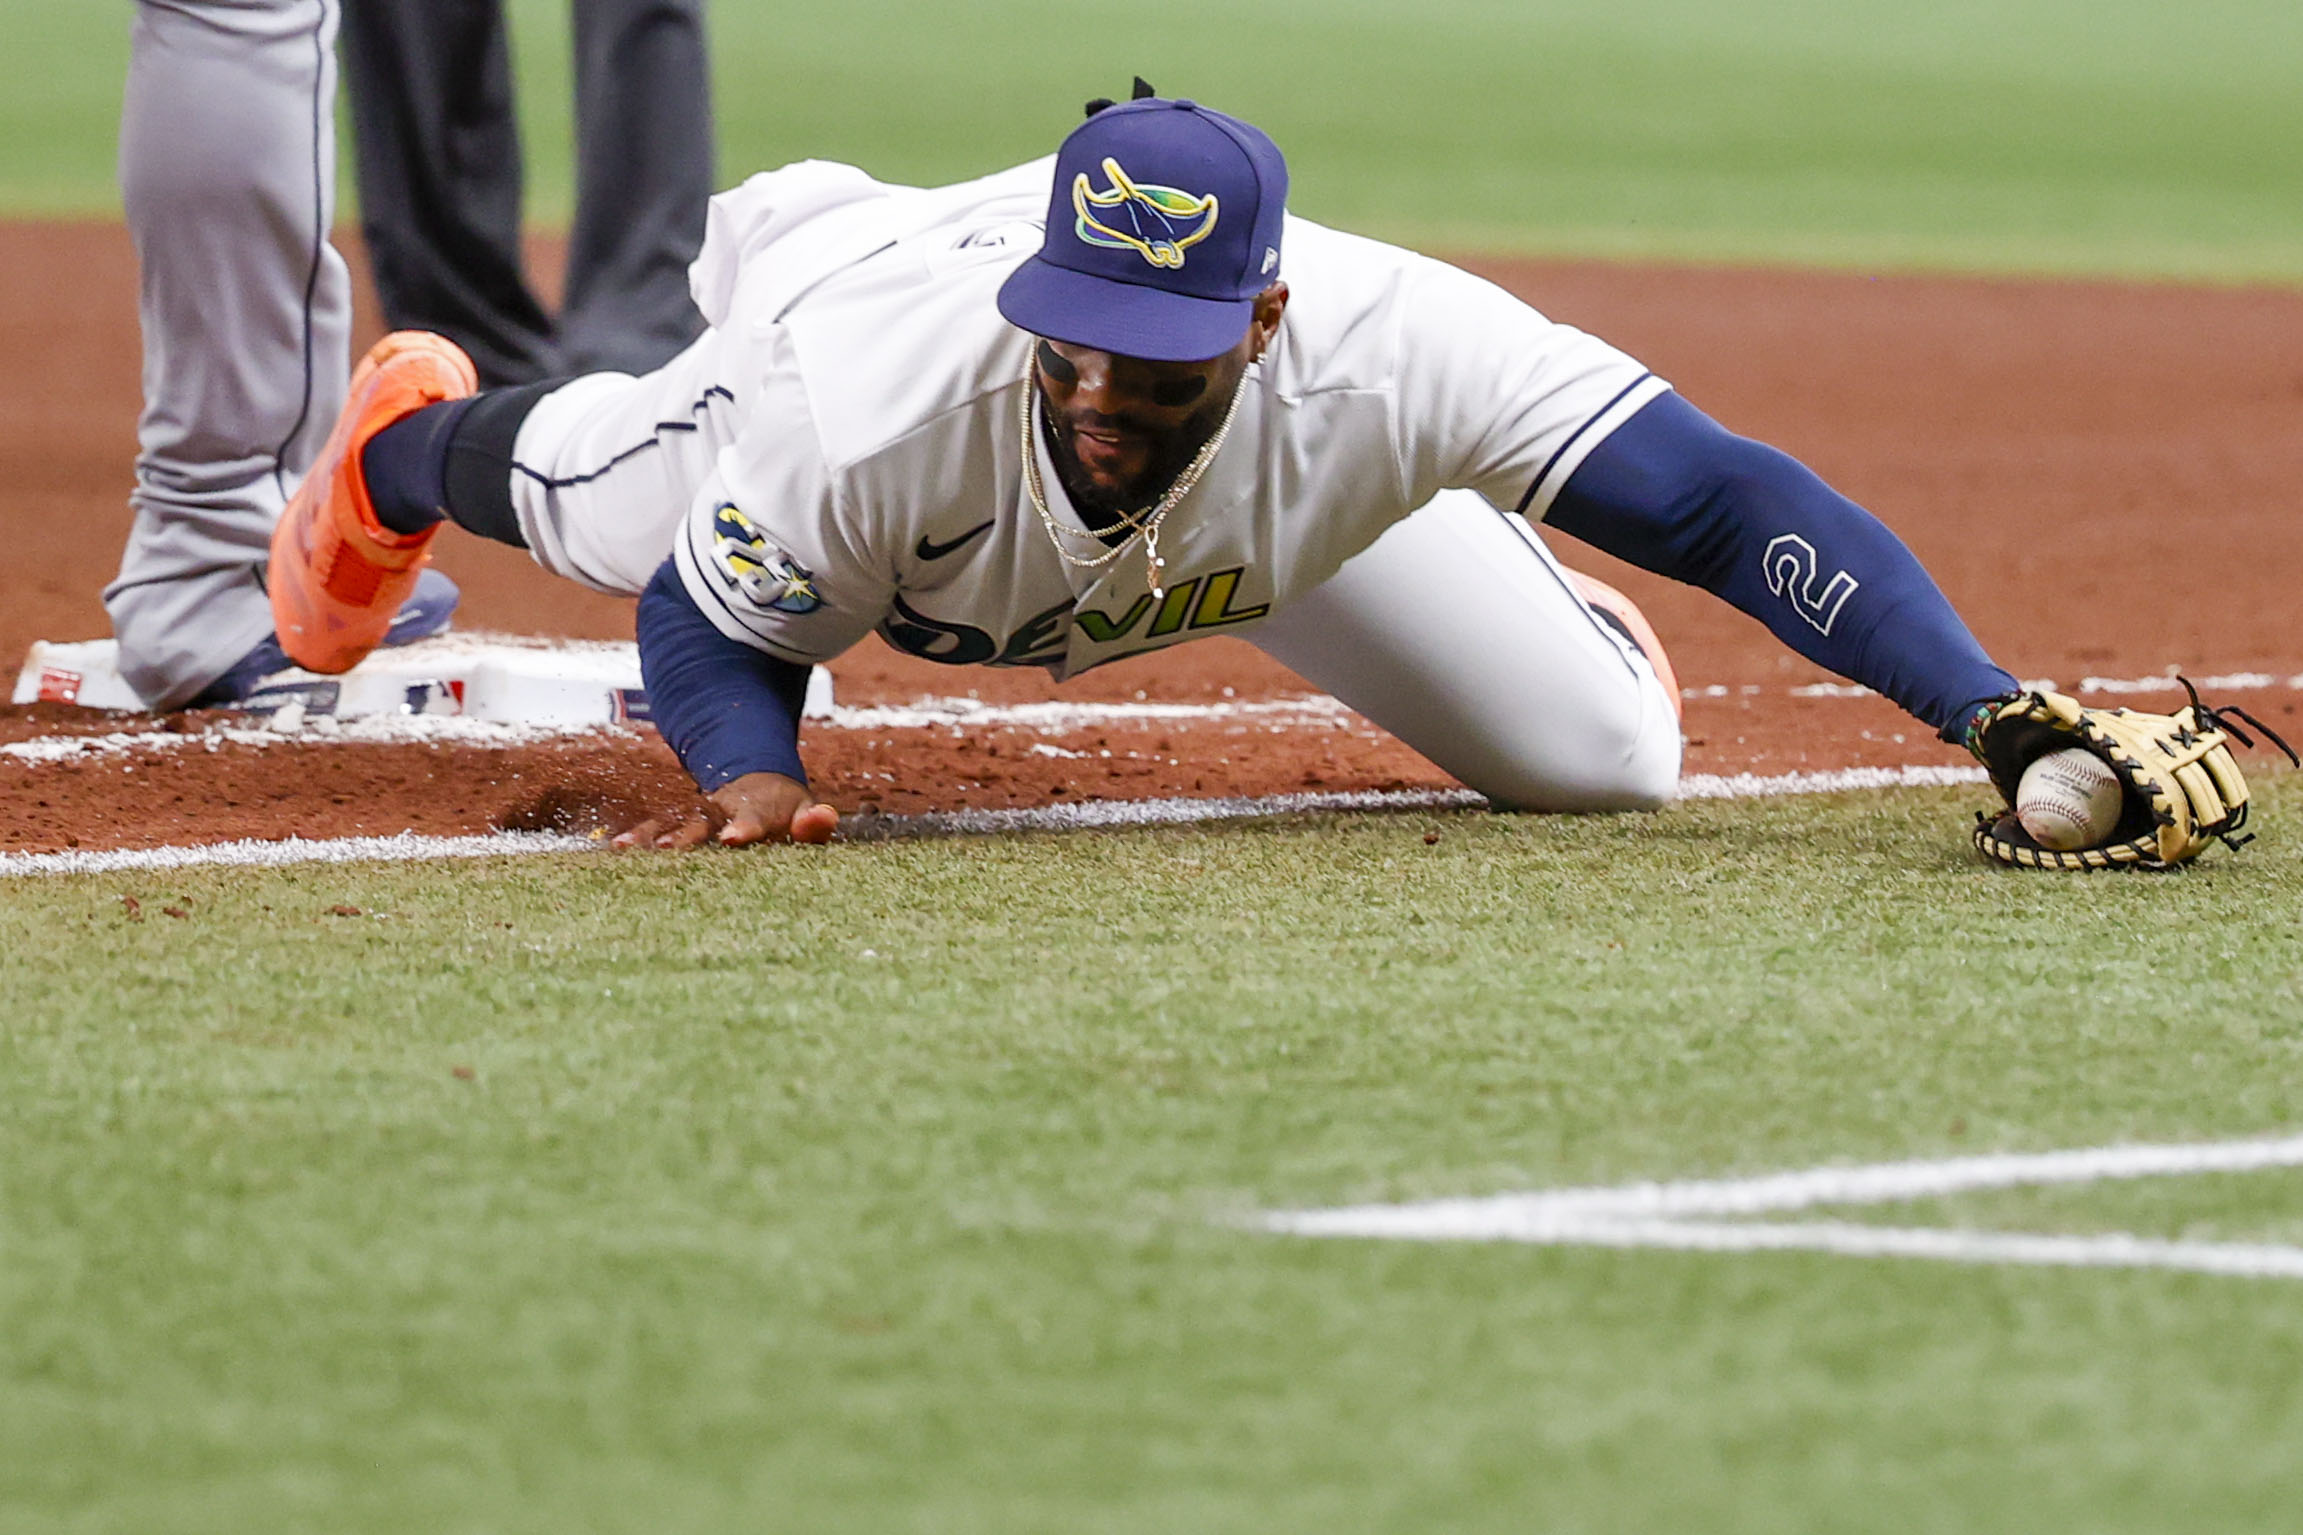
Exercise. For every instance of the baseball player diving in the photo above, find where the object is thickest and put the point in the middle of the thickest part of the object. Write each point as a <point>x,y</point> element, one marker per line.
<point>1089,408</point>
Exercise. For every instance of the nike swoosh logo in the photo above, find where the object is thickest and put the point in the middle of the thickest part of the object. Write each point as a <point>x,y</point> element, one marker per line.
<point>928,551</point>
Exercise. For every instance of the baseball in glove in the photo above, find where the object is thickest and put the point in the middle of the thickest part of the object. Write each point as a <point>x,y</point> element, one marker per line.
<point>2181,788</point>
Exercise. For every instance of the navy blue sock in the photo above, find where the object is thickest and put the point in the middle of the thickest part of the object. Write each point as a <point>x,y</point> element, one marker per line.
<point>406,467</point>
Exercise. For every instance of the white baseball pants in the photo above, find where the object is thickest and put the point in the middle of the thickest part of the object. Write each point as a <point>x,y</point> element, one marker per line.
<point>1459,633</point>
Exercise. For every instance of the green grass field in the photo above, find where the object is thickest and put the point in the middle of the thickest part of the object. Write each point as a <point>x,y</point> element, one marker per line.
<point>899,1186</point>
<point>2104,136</point>
<point>895,1186</point>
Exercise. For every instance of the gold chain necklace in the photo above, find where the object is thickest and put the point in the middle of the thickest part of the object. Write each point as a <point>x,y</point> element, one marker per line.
<point>1146,523</point>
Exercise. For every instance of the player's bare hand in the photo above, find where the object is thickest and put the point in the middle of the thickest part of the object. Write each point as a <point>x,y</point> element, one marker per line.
<point>758,807</point>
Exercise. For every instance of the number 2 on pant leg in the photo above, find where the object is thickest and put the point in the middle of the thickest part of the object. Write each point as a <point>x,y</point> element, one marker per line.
<point>1791,573</point>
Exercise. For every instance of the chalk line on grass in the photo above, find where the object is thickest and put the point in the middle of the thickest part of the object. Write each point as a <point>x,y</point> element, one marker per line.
<point>292,850</point>
<point>300,730</point>
<point>1838,781</point>
<point>1092,814</point>
<point>1103,814</point>
<point>1699,1215</point>
<point>1086,815</point>
<point>1058,717</point>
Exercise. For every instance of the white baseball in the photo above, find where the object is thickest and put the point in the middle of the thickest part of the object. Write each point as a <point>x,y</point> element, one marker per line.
<point>2068,800</point>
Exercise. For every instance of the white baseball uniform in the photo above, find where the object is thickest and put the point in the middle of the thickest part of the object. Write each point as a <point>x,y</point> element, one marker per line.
<point>844,451</point>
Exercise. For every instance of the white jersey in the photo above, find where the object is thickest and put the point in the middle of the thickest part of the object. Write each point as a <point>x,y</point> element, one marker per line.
<point>842,451</point>
<point>872,472</point>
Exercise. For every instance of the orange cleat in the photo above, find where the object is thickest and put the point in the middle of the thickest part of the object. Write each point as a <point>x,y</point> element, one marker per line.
<point>338,575</point>
<point>1624,615</point>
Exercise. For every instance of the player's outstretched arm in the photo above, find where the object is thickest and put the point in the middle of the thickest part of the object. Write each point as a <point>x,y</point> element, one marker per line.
<point>732,716</point>
<point>1674,492</point>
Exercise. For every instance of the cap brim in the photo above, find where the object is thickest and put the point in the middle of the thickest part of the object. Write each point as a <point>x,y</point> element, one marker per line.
<point>1122,318</point>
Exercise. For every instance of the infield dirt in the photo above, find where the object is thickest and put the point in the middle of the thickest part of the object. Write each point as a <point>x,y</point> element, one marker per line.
<point>2103,476</point>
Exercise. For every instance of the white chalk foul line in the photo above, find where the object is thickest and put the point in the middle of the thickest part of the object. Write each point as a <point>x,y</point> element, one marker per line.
<point>322,730</point>
<point>1094,814</point>
<point>2244,1260</point>
<point>1687,1215</point>
<point>1839,781</point>
<point>1085,816</point>
<point>1091,815</point>
<point>1058,717</point>
<point>293,850</point>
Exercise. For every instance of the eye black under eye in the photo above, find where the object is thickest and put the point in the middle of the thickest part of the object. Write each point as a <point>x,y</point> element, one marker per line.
<point>1172,392</point>
<point>1052,363</point>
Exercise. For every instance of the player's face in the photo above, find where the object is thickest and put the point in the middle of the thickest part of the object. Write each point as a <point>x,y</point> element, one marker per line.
<point>1125,427</point>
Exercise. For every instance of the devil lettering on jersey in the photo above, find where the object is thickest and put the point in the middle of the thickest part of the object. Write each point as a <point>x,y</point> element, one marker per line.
<point>1191,607</point>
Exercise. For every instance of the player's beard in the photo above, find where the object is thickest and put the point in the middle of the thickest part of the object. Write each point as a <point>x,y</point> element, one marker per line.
<point>1101,505</point>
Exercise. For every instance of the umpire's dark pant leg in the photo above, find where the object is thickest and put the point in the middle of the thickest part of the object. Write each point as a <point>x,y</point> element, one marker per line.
<point>644,175</point>
<point>438,155</point>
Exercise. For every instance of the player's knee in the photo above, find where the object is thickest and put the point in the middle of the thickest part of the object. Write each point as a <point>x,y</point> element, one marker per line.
<point>1622,757</point>
<point>1647,776</point>
<point>1650,777</point>
<point>1645,779</point>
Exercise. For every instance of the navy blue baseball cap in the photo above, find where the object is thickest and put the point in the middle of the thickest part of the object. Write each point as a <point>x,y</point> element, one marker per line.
<point>1163,226</point>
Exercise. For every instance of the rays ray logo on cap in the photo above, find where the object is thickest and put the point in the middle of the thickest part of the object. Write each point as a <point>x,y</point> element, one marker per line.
<point>1163,230</point>
<point>1164,221</point>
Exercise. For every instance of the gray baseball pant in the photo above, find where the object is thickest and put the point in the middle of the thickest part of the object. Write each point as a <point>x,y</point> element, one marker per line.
<point>227,174</point>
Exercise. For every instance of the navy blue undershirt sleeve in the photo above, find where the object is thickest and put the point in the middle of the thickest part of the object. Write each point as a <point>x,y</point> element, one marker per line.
<point>1674,492</point>
<point>724,708</point>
